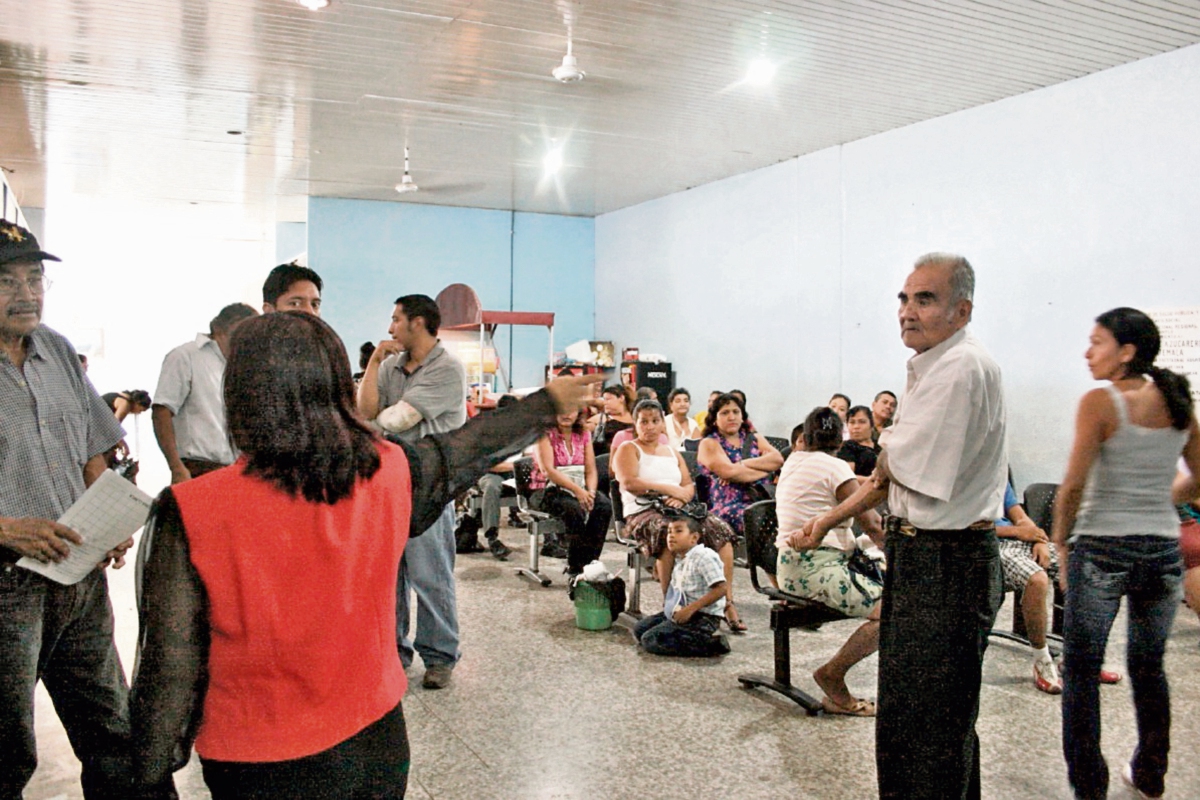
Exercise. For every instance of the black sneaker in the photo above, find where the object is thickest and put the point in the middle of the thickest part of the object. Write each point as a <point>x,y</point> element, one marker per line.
<point>514,519</point>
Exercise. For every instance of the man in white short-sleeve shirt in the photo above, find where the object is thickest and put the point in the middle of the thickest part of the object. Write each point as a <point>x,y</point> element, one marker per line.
<point>189,403</point>
<point>942,471</point>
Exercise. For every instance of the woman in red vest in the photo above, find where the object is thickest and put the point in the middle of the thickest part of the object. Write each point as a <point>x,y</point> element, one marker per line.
<point>269,590</point>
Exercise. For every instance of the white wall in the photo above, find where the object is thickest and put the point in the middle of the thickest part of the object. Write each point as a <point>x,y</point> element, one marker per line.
<point>133,285</point>
<point>1068,201</point>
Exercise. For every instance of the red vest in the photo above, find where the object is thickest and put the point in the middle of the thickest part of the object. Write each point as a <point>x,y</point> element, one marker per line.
<point>302,609</point>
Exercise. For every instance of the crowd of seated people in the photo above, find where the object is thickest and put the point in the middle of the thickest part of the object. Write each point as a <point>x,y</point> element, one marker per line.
<point>738,465</point>
<point>653,478</point>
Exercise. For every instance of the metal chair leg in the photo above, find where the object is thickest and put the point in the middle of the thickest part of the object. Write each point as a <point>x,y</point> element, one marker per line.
<point>633,606</point>
<point>531,572</point>
<point>781,681</point>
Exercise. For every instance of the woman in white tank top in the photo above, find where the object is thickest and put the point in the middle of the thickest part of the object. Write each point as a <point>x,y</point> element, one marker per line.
<point>1115,505</point>
<point>644,468</point>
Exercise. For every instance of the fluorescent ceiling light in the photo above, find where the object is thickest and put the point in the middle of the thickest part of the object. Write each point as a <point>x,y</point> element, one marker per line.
<point>553,161</point>
<point>314,5</point>
<point>760,72</point>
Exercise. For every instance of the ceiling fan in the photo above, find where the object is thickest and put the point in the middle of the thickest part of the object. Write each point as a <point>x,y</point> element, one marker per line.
<point>407,185</point>
<point>568,71</point>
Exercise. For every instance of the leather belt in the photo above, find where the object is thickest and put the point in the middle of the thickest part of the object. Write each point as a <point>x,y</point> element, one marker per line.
<point>894,524</point>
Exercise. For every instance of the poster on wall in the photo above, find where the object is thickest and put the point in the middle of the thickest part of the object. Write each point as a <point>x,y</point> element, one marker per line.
<point>1180,351</point>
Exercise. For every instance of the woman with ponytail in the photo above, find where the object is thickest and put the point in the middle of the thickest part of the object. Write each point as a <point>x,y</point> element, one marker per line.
<point>1115,506</point>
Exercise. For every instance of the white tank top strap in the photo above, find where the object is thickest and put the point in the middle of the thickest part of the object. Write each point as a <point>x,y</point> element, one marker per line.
<point>1118,398</point>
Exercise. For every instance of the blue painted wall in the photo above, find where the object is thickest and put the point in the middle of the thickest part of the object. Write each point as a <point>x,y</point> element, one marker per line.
<point>369,253</point>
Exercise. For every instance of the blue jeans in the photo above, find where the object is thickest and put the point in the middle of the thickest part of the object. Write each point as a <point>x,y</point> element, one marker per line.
<point>697,637</point>
<point>941,593</point>
<point>428,569</point>
<point>1100,570</point>
<point>62,635</point>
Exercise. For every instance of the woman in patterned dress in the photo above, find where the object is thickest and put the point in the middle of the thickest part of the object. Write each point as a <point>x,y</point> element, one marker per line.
<point>734,458</point>
<point>813,481</point>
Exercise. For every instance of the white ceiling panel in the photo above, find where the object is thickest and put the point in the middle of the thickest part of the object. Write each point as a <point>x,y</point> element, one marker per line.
<point>135,99</point>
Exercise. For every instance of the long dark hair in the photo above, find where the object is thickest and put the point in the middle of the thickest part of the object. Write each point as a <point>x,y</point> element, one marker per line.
<point>710,419</point>
<point>1130,326</point>
<point>289,401</point>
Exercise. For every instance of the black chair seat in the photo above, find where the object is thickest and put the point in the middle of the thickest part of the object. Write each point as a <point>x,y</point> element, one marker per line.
<point>778,442</point>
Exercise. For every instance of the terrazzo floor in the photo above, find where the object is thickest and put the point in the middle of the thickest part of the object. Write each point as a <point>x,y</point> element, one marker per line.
<point>540,709</point>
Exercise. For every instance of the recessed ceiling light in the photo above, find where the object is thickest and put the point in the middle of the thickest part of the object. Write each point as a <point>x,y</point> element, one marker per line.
<point>553,161</point>
<point>760,72</point>
<point>314,5</point>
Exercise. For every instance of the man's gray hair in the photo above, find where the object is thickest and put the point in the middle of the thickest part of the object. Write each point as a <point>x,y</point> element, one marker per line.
<point>962,276</point>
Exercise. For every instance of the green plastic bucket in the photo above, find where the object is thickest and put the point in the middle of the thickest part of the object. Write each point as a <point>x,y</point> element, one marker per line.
<point>593,612</point>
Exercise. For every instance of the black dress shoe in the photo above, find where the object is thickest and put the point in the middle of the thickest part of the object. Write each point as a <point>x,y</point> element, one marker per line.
<point>553,550</point>
<point>498,548</point>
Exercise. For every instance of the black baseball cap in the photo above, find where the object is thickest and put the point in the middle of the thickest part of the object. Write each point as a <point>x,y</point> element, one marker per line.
<point>18,244</point>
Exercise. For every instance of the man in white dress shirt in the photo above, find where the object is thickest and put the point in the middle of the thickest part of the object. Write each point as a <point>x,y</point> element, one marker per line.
<point>943,472</point>
<point>189,403</point>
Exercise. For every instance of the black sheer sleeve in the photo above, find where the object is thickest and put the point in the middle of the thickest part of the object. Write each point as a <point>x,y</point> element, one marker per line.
<point>446,464</point>
<point>171,667</point>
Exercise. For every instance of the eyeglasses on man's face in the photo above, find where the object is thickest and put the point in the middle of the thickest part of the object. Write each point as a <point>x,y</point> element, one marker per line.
<point>10,286</point>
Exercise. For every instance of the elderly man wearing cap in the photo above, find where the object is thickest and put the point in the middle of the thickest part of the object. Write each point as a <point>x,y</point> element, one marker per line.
<point>54,433</point>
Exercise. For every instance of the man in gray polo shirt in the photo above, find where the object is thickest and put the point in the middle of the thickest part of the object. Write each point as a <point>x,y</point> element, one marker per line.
<point>54,433</point>
<point>411,388</point>
<point>189,405</point>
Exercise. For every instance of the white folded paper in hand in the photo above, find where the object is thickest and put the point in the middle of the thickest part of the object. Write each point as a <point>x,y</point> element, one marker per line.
<point>108,513</point>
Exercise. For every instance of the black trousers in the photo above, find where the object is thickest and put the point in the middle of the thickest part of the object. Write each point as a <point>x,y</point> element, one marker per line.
<point>585,532</point>
<point>940,597</point>
<point>370,765</point>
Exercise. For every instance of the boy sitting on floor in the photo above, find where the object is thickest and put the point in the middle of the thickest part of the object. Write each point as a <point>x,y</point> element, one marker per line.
<point>695,601</point>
